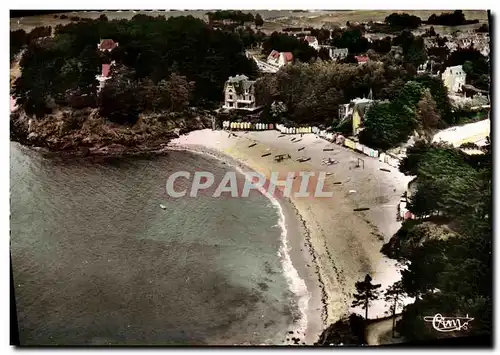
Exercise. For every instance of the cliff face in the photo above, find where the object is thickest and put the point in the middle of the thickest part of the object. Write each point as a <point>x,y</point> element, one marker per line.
<point>83,132</point>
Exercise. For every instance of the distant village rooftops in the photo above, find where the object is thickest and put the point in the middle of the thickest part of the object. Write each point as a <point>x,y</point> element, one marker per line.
<point>107,45</point>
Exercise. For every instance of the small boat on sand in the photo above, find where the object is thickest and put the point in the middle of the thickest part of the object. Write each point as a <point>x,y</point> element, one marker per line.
<point>163,207</point>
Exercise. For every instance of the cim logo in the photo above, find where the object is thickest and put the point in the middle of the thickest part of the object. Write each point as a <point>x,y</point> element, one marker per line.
<point>449,324</point>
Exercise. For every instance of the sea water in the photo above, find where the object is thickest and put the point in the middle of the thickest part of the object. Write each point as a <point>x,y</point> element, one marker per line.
<point>97,261</point>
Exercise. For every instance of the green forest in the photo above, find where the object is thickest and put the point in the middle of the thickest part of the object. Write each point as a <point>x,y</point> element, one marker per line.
<point>448,248</point>
<point>179,55</point>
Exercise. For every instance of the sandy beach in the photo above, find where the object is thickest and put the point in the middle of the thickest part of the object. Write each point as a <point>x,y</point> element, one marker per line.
<point>339,245</point>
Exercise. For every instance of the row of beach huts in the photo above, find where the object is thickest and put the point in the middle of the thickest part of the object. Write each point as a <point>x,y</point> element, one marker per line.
<point>354,145</point>
<point>332,137</point>
<point>247,126</point>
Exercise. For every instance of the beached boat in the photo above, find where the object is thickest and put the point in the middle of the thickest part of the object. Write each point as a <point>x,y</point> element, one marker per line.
<point>163,207</point>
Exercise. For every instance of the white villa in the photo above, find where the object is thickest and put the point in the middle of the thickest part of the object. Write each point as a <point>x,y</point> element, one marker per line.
<point>239,93</point>
<point>454,78</point>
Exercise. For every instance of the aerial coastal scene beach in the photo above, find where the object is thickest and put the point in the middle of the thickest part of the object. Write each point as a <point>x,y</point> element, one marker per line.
<point>114,112</point>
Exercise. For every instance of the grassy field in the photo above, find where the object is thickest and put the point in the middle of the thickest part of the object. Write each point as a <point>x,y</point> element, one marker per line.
<point>273,19</point>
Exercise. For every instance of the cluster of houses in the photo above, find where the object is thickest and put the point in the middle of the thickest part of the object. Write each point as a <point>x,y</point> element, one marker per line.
<point>480,41</point>
<point>466,39</point>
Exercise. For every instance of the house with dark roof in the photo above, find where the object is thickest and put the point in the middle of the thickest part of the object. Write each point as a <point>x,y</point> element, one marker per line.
<point>107,45</point>
<point>280,59</point>
<point>239,93</point>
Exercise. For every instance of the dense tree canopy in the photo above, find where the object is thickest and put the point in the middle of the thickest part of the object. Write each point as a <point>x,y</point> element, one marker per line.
<point>312,93</point>
<point>475,65</point>
<point>235,16</point>
<point>449,275</point>
<point>353,40</point>
<point>455,18</point>
<point>153,48</point>
<point>403,20</point>
<point>421,104</point>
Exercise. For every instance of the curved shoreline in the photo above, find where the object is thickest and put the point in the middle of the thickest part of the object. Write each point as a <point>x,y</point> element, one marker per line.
<point>304,327</point>
<point>346,244</point>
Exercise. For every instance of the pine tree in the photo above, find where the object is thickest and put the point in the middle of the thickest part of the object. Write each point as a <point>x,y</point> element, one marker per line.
<point>366,292</point>
<point>393,295</point>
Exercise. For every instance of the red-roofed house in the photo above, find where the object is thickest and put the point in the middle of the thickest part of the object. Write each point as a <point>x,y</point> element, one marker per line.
<point>280,59</point>
<point>107,45</point>
<point>313,42</point>
<point>361,59</point>
<point>105,75</point>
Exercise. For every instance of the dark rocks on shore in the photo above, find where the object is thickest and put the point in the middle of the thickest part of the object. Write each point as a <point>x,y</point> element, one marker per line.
<point>347,331</point>
<point>81,132</point>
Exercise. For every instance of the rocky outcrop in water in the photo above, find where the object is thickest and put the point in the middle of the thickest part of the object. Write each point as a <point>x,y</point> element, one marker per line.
<point>83,132</point>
